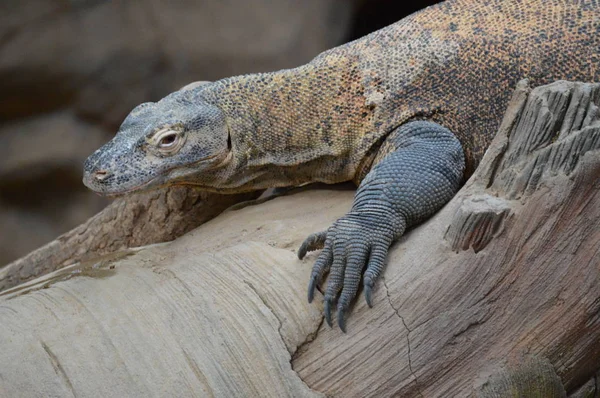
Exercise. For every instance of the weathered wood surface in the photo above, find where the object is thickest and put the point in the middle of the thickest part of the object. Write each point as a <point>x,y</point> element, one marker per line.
<point>137,220</point>
<point>497,295</point>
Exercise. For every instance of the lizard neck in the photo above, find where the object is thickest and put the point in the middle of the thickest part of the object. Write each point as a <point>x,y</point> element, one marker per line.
<point>289,127</point>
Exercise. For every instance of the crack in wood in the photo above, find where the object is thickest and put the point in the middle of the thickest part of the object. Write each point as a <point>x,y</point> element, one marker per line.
<point>58,368</point>
<point>387,293</point>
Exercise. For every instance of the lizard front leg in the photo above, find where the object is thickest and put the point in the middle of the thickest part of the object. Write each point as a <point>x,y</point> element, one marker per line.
<point>420,169</point>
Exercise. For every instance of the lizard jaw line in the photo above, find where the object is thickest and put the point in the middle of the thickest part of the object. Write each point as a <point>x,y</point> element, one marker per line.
<point>152,181</point>
<point>124,192</point>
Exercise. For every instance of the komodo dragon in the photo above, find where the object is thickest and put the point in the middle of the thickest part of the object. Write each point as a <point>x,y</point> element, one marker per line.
<point>406,112</point>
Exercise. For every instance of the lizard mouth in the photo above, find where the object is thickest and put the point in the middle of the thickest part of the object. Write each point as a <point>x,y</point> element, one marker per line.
<point>136,188</point>
<point>162,180</point>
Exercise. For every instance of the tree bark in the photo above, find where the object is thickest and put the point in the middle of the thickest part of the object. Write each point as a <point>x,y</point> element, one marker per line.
<point>497,295</point>
<point>137,220</point>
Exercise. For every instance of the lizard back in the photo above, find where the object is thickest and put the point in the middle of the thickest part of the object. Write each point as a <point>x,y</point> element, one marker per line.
<point>456,63</point>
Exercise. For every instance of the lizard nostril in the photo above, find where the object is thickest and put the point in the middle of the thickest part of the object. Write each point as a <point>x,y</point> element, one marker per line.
<point>101,175</point>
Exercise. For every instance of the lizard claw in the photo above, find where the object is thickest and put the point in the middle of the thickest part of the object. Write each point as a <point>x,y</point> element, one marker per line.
<point>341,318</point>
<point>327,309</point>
<point>321,267</point>
<point>314,242</point>
<point>311,288</point>
<point>369,294</point>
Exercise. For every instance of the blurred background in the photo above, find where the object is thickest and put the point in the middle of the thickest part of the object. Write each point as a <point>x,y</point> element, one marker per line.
<point>71,70</point>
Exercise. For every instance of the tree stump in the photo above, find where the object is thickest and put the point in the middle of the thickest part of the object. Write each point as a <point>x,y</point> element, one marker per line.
<point>497,295</point>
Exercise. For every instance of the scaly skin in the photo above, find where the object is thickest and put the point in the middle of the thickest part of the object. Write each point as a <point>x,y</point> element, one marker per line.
<point>347,115</point>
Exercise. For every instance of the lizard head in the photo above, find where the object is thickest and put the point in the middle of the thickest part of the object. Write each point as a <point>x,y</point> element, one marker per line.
<point>160,143</point>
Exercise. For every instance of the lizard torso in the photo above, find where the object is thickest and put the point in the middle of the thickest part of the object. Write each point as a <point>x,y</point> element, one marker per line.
<point>455,63</point>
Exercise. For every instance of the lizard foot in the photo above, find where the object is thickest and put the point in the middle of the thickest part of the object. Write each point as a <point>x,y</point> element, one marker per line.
<point>353,242</point>
<point>420,170</point>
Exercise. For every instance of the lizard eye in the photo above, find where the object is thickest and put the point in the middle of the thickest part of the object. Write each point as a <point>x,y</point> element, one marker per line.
<point>168,141</point>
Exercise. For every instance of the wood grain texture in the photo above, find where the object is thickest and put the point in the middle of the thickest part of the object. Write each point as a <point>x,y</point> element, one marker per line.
<point>209,324</point>
<point>137,220</point>
<point>222,310</point>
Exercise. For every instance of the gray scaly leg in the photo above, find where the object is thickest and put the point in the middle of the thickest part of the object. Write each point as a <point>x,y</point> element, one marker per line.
<point>421,172</point>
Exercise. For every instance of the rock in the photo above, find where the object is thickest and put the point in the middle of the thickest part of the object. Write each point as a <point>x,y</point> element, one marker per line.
<point>222,309</point>
<point>107,57</point>
<point>53,140</point>
<point>40,180</point>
